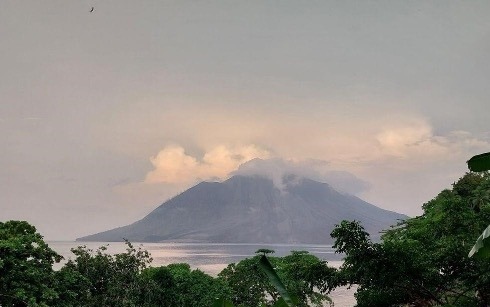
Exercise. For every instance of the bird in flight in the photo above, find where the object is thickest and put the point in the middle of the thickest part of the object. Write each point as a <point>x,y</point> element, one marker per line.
<point>92,9</point>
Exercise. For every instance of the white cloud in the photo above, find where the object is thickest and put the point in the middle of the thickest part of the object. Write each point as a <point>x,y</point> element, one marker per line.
<point>415,142</point>
<point>277,168</point>
<point>413,163</point>
<point>173,165</point>
<point>404,139</point>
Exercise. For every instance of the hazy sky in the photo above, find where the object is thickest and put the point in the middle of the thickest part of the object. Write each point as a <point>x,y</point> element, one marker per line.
<point>105,115</point>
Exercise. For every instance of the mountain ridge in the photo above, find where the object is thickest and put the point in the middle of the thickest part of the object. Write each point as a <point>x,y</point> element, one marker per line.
<point>251,209</point>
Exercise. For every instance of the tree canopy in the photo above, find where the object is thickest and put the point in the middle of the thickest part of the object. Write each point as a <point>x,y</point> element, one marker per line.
<point>97,278</point>
<point>304,275</point>
<point>26,275</point>
<point>423,260</point>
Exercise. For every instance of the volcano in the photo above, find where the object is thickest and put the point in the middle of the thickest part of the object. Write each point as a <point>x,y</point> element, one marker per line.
<point>251,209</point>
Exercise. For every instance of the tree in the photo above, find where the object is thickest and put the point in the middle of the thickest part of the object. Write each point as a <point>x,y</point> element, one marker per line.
<point>248,283</point>
<point>26,274</point>
<point>307,277</point>
<point>423,260</point>
<point>178,285</point>
<point>304,275</point>
<point>481,163</point>
<point>158,288</point>
<point>264,251</point>
<point>101,279</point>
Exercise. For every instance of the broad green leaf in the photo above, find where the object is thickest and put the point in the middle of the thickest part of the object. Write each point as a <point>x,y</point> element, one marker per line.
<point>281,303</point>
<point>266,266</point>
<point>481,249</point>
<point>479,163</point>
<point>221,302</point>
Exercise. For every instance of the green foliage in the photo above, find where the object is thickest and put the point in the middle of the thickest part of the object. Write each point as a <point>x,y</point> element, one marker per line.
<point>159,287</point>
<point>481,198</point>
<point>303,276</point>
<point>249,285</point>
<point>101,279</point>
<point>422,261</point>
<point>194,288</point>
<point>481,248</point>
<point>96,278</point>
<point>73,288</point>
<point>264,251</point>
<point>351,237</point>
<point>221,302</point>
<point>26,274</point>
<point>467,185</point>
<point>265,265</point>
<point>307,278</point>
<point>479,163</point>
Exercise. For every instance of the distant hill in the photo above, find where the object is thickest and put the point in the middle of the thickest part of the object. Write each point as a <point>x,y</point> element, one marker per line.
<point>253,210</point>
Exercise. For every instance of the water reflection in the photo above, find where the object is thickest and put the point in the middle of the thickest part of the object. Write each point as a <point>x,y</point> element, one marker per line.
<point>210,258</point>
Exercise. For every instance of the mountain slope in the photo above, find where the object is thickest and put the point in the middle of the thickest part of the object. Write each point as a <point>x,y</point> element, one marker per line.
<point>252,210</point>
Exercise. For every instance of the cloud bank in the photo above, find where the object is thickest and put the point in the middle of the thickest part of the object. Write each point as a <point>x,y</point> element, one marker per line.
<point>277,168</point>
<point>397,154</point>
<point>173,165</point>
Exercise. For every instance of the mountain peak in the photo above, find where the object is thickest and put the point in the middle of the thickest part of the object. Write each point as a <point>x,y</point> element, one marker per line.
<point>253,209</point>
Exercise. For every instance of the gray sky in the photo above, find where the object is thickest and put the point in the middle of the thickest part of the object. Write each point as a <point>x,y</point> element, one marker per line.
<point>105,115</point>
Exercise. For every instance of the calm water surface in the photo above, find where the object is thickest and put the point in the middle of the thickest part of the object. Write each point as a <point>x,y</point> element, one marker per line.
<point>212,257</point>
